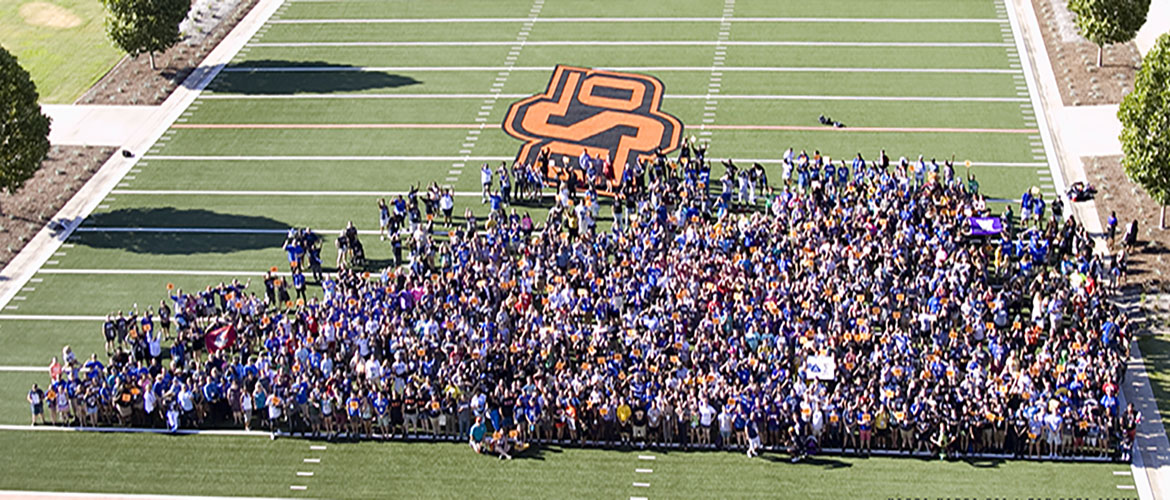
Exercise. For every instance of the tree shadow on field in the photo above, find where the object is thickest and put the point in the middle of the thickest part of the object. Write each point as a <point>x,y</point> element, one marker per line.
<point>180,243</point>
<point>264,77</point>
<point>822,462</point>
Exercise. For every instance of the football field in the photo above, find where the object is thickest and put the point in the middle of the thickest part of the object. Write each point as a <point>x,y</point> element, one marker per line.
<point>334,104</point>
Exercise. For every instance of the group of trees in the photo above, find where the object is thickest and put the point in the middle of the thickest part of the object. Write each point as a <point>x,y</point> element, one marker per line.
<point>1145,112</point>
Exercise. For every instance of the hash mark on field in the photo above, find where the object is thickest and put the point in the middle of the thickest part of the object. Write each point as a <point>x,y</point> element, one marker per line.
<point>12,307</point>
<point>28,289</point>
<point>644,471</point>
<point>647,485</point>
<point>298,488</point>
<point>20,298</point>
<point>646,457</point>
<point>1125,486</point>
<point>312,460</point>
<point>304,474</point>
<point>1122,473</point>
<point>37,280</point>
<point>51,263</point>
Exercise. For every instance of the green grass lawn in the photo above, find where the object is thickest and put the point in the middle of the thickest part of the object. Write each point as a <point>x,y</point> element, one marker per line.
<point>259,467</point>
<point>61,75</point>
<point>1156,354</point>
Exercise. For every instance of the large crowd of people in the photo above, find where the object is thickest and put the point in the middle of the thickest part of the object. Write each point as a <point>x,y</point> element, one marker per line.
<point>844,305</point>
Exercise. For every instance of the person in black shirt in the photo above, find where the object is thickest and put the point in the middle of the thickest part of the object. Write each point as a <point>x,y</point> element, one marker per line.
<point>110,332</point>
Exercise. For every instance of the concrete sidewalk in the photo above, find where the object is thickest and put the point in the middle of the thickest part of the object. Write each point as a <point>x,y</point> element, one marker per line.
<point>84,125</point>
<point>99,125</point>
<point>1077,132</point>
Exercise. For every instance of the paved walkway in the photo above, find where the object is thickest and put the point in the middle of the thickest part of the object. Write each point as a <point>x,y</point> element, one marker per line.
<point>100,125</point>
<point>1089,131</point>
<point>1157,22</point>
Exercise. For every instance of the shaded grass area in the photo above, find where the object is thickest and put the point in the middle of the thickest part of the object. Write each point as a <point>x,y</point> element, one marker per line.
<point>259,467</point>
<point>1156,354</point>
<point>61,76</point>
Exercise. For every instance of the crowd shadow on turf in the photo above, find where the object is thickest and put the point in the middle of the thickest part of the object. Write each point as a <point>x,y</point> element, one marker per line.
<point>179,243</point>
<point>323,79</point>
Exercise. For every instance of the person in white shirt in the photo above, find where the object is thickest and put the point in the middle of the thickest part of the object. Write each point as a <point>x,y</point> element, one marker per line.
<point>485,178</point>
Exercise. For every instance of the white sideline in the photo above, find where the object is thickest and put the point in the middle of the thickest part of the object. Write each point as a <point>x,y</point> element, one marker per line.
<point>759,69</point>
<point>751,97</point>
<point>30,369</point>
<point>202,230</point>
<point>885,20</point>
<point>483,158</point>
<point>196,192</point>
<point>628,43</point>
<point>135,430</point>
<point>323,158</point>
<point>49,317</point>
<point>153,272</point>
<point>19,494</point>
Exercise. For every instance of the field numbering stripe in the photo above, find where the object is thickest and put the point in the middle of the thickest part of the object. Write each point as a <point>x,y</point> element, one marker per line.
<point>628,43</point>
<point>543,69</point>
<point>459,20</point>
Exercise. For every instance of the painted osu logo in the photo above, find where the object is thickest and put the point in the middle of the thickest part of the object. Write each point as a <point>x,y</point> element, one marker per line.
<point>596,111</point>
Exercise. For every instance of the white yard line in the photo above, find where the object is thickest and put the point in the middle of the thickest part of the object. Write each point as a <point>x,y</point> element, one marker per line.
<point>459,20</point>
<point>321,158</point>
<point>750,97</point>
<point>544,69</point>
<point>17,494</point>
<point>628,43</point>
<point>153,272</point>
<point>484,158</point>
<point>133,430</point>
<point>197,192</point>
<point>48,317</point>
<point>28,369</point>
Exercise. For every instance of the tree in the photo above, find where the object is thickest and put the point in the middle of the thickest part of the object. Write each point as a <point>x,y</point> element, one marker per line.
<point>1145,125</point>
<point>24,130</point>
<point>145,26</point>
<point>1105,22</point>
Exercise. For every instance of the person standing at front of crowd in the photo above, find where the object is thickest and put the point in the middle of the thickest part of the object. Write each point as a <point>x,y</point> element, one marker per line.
<point>36,402</point>
<point>383,219</point>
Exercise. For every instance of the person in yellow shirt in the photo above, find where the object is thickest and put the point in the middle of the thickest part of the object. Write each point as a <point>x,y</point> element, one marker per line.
<point>623,414</point>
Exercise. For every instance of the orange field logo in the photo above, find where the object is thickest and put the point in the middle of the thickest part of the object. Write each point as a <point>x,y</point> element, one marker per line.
<point>603,113</point>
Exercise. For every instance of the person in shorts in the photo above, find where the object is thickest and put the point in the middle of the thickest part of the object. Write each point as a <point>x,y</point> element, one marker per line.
<point>36,403</point>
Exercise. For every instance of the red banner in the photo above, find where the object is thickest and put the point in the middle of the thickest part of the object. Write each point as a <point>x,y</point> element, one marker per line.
<point>220,338</point>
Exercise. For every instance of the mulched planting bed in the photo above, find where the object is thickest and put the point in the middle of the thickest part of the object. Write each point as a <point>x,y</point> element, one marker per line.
<point>26,211</point>
<point>1074,60</point>
<point>1149,264</point>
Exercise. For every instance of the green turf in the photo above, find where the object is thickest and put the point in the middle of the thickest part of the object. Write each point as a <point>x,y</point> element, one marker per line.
<point>690,111</point>
<point>259,467</point>
<point>349,82</point>
<point>705,30</point>
<point>675,82</point>
<point>14,387</point>
<point>61,75</point>
<point>34,343</point>
<point>1156,354</point>
<point>633,55</point>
